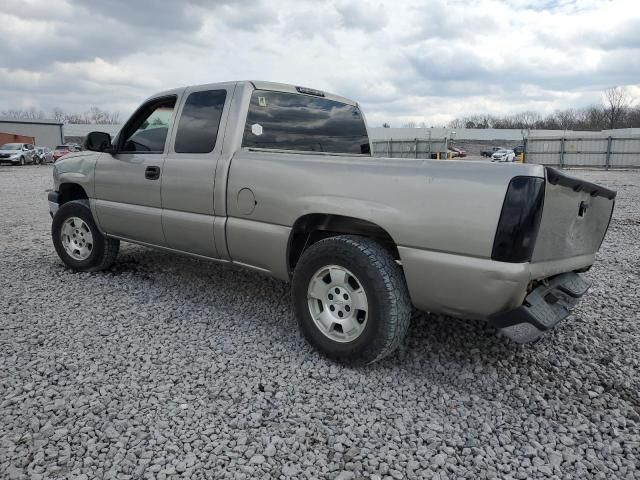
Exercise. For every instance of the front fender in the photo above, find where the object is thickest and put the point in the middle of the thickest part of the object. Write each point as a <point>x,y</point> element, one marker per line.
<point>78,169</point>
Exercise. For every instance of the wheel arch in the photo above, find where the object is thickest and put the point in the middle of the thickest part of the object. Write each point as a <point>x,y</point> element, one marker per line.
<point>312,227</point>
<point>69,191</point>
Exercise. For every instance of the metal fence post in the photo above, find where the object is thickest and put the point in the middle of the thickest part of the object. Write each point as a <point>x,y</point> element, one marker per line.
<point>608,159</point>
<point>389,148</point>
<point>562,152</point>
<point>416,147</point>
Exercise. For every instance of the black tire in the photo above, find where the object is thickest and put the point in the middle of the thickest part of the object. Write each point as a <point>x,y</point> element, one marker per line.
<point>384,284</point>
<point>105,249</point>
<point>22,161</point>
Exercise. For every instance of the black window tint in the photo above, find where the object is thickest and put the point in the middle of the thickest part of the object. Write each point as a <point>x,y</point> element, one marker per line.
<point>300,122</point>
<point>147,131</point>
<point>199,122</point>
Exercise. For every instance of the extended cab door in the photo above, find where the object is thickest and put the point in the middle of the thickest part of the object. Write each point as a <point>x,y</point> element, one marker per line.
<point>127,182</point>
<point>189,170</point>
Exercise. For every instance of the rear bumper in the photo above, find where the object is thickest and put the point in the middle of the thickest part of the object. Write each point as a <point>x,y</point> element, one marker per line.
<point>462,286</point>
<point>542,309</point>
<point>475,288</point>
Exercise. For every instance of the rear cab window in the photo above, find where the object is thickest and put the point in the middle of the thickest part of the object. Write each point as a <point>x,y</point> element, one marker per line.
<point>289,121</point>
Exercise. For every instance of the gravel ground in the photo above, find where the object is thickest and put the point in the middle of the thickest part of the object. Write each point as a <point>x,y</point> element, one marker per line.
<point>169,367</point>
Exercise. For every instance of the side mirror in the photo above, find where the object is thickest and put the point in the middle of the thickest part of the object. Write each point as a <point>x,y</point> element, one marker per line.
<point>98,142</point>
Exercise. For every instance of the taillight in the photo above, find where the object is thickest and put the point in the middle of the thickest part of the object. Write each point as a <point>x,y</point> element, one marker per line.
<point>519,220</point>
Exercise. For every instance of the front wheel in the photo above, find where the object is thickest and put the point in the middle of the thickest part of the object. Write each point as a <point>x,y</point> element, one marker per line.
<point>78,242</point>
<point>351,299</point>
<point>22,161</point>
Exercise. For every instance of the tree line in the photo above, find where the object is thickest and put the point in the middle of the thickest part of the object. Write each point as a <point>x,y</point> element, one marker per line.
<point>94,115</point>
<point>615,111</point>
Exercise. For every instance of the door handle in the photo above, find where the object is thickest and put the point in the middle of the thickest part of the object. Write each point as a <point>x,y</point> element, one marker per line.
<point>152,173</point>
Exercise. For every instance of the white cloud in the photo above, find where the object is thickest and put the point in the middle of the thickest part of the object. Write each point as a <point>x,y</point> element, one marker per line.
<point>362,15</point>
<point>406,60</point>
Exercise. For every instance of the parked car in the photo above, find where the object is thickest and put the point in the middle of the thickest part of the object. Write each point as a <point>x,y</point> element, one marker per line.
<point>222,172</point>
<point>518,149</point>
<point>17,153</point>
<point>458,152</point>
<point>62,150</point>
<point>491,151</point>
<point>503,155</point>
<point>43,155</point>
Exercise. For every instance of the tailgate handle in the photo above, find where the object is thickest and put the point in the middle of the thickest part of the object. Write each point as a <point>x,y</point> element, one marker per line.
<point>152,173</point>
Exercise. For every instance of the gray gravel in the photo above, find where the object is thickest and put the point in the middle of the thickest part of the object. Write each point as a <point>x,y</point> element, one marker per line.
<point>169,367</point>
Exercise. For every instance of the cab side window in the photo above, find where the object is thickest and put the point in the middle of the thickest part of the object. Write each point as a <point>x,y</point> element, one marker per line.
<point>199,121</point>
<point>147,131</point>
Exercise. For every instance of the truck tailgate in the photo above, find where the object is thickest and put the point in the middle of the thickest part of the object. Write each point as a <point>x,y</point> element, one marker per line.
<point>575,217</point>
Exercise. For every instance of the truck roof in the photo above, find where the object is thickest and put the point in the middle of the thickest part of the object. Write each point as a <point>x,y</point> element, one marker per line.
<point>285,87</point>
<point>262,85</point>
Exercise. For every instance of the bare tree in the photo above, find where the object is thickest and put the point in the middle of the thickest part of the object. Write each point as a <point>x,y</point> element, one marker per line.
<point>114,118</point>
<point>563,120</point>
<point>409,125</point>
<point>616,102</point>
<point>57,114</point>
<point>592,118</point>
<point>633,116</point>
<point>386,125</point>
<point>528,119</point>
<point>75,118</point>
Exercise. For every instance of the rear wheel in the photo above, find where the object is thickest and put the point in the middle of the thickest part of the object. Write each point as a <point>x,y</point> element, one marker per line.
<point>351,299</point>
<point>78,242</point>
<point>22,161</point>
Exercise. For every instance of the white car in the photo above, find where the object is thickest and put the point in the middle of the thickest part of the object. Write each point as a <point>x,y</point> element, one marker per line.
<point>503,155</point>
<point>17,153</point>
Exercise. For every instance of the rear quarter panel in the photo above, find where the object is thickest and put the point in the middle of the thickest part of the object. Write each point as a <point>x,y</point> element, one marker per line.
<point>446,206</point>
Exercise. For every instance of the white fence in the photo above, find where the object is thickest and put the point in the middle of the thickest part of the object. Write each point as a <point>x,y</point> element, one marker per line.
<point>593,151</point>
<point>416,148</point>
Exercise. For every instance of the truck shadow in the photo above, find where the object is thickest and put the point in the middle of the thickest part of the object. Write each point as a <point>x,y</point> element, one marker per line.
<point>246,293</point>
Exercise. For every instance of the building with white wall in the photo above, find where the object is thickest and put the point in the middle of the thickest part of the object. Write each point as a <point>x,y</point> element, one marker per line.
<point>46,133</point>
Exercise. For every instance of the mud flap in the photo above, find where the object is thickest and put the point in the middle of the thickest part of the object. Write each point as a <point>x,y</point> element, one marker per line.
<point>543,308</point>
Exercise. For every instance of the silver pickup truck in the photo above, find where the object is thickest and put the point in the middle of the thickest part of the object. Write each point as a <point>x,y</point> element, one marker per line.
<point>281,179</point>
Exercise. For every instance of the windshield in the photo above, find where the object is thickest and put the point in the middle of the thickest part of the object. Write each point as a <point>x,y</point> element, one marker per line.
<point>501,151</point>
<point>11,146</point>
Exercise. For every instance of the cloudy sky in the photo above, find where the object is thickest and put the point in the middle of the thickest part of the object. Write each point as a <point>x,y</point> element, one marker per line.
<point>403,60</point>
